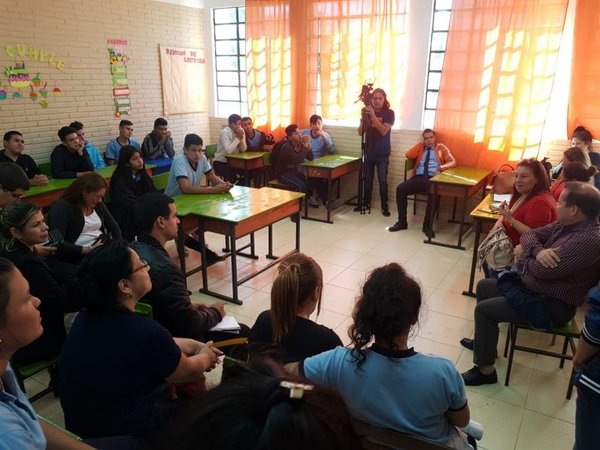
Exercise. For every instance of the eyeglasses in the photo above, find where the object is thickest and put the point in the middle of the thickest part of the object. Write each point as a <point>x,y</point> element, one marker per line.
<point>144,265</point>
<point>14,194</point>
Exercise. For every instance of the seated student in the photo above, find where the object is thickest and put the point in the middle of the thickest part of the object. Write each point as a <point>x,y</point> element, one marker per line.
<point>232,140</point>
<point>288,157</point>
<point>158,143</point>
<point>94,153</point>
<point>82,218</point>
<point>582,139</point>
<point>185,178</point>
<point>431,158</point>
<point>20,325</point>
<point>256,141</point>
<point>295,295</point>
<point>13,183</point>
<point>156,221</point>
<point>124,138</point>
<point>571,171</point>
<point>128,182</point>
<point>115,366</point>
<point>14,145</point>
<point>321,145</point>
<point>22,227</point>
<point>262,408</point>
<point>387,309</point>
<point>70,159</point>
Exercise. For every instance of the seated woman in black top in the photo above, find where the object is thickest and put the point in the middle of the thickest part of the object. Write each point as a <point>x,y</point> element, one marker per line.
<point>295,295</point>
<point>22,227</point>
<point>115,366</point>
<point>129,182</point>
<point>82,218</point>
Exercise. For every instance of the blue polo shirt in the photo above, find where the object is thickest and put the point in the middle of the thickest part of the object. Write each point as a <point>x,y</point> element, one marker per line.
<point>181,168</point>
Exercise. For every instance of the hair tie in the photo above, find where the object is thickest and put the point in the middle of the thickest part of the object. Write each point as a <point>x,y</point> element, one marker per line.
<point>296,389</point>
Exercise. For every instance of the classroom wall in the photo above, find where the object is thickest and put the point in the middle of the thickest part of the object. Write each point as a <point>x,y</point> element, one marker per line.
<point>77,31</point>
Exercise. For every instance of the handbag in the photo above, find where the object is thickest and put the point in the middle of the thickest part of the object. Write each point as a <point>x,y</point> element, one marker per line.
<point>497,250</point>
<point>503,180</point>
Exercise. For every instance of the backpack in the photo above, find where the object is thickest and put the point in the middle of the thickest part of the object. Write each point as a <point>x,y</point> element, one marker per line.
<point>274,154</point>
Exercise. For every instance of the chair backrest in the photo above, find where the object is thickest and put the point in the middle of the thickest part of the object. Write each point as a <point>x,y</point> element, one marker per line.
<point>375,438</point>
<point>210,151</point>
<point>144,310</point>
<point>45,168</point>
<point>160,181</point>
<point>409,164</point>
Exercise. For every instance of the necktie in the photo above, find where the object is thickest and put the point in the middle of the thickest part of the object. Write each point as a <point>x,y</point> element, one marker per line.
<point>426,166</point>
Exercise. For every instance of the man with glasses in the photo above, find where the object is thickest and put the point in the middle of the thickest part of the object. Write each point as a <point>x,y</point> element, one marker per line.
<point>94,153</point>
<point>13,183</point>
<point>14,145</point>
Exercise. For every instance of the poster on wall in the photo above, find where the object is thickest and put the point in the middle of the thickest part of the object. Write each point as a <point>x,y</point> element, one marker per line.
<point>118,70</point>
<point>183,72</point>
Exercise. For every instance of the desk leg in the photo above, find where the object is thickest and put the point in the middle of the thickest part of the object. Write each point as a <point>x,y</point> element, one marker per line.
<point>470,292</point>
<point>270,255</point>
<point>234,280</point>
<point>298,234</point>
<point>433,200</point>
<point>181,250</point>
<point>462,219</point>
<point>328,206</point>
<point>203,256</point>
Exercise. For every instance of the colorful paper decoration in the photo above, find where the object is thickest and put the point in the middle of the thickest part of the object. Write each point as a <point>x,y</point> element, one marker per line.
<point>118,69</point>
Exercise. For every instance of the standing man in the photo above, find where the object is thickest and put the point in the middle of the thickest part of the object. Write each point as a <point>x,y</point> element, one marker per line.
<point>70,159</point>
<point>158,143</point>
<point>561,263</point>
<point>430,158</point>
<point>14,145</point>
<point>378,126</point>
<point>256,140</point>
<point>232,139</point>
<point>113,148</point>
<point>94,153</point>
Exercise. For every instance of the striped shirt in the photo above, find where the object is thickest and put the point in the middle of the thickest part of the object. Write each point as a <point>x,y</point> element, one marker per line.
<point>579,268</point>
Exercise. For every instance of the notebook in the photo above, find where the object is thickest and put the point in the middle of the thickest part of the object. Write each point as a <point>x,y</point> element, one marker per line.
<point>228,325</point>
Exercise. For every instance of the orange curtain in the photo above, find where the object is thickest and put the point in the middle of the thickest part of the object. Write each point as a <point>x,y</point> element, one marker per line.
<point>360,41</point>
<point>584,101</point>
<point>497,78</point>
<point>279,58</point>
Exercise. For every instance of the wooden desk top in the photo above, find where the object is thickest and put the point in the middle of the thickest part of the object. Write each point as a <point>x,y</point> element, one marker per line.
<point>239,204</point>
<point>331,161</point>
<point>462,176</point>
<point>56,184</point>
<point>483,212</point>
<point>246,155</point>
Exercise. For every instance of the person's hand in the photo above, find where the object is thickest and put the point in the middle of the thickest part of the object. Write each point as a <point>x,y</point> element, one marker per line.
<point>45,251</point>
<point>504,210</point>
<point>80,149</point>
<point>89,248</point>
<point>239,132</point>
<point>305,140</point>
<point>518,251</point>
<point>210,354</point>
<point>437,172</point>
<point>222,187</point>
<point>168,134</point>
<point>39,180</point>
<point>548,258</point>
<point>219,306</point>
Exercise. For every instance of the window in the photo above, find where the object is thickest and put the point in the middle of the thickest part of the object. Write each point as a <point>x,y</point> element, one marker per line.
<point>437,49</point>
<point>229,26</point>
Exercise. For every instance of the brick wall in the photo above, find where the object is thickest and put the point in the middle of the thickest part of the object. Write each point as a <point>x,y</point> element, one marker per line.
<point>77,30</point>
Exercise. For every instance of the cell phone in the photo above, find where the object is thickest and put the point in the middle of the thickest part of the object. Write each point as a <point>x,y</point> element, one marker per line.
<point>100,238</point>
<point>54,238</point>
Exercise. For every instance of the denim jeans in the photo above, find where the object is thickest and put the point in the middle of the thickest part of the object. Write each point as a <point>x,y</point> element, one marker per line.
<point>381,163</point>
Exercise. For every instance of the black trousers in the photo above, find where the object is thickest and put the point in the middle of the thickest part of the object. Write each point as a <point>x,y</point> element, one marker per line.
<point>414,185</point>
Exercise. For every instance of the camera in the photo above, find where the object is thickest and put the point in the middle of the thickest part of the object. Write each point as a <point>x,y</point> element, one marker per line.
<point>366,94</point>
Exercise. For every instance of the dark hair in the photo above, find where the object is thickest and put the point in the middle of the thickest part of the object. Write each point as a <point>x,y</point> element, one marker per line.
<point>427,130</point>
<point>15,215</point>
<point>265,416</point>
<point>9,134</point>
<point>7,267</point>
<point>298,277</point>
<point>123,171</point>
<point>192,139</point>
<point>573,154</point>
<point>12,177</point>
<point>98,276</point>
<point>582,134</point>
<point>160,122</point>
<point>539,171</point>
<point>125,123</point>
<point>386,104</point>
<point>65,131</point>
<point>314,118</point>
<point>244,119</point>
<point>289,130</point>
<point>76,125</point>
<point>234,118</point>
<point>388,306</point>
<point>584,196</point>
<point>150,207</point>
<point>86,183</point>
<point>577,171</point>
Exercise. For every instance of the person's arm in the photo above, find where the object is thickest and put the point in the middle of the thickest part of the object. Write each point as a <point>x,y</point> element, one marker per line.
<point>108,222</point>
<point>449,159</point>
<point>218,185</point>
<point>169,147</point>
<point>191,368</point>
<point>584,352</point>
<point>413,152</point>
<point>57,164</point>
<point>381,126</point>
<point>149,150</point>
<point>86,163</point>
<point>60,217</point>
<point>229,142</point>
<point>459,418</point>
<point>59,440</point>
<point>534,240</point>
<point>95,156</point>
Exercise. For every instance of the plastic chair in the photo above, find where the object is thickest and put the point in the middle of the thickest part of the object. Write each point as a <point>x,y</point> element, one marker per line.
<point>144,310</point>
<point>29,370</point>
<point>160,181</point>
<point>46,168</point>
<point>210,151</point>
<point>409,164</point>
<point>569,331</point>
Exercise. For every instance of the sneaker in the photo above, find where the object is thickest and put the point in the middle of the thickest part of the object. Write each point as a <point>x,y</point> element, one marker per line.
<point>385,212</point>
<point>360,208</point>
<point>467,343</point>
<point>398,226</point>
<point>474,377</point>
<point>427,232</point>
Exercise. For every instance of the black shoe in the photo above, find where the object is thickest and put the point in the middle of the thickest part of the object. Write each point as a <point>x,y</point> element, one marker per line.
<point>385,212</point>
<point>467,343</point>
<point>398,226</point>
<point>192,243</point>
<point>212,257</point>
<point>474,377</point>
<point>427,232</point>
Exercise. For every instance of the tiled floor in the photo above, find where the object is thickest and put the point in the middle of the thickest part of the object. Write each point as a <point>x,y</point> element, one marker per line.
<point>532,413</point>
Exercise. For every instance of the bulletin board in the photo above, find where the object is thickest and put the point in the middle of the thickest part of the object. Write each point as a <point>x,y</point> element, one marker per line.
<point>184,84</point>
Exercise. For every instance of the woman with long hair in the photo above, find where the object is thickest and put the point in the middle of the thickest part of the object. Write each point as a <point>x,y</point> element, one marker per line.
<point>295,295</point>
<point>572,171</point>
<point>129,182</point>
<point>82,218</point>
<point>22,228</point>
<point>116,366</point>
<point>384,381</point>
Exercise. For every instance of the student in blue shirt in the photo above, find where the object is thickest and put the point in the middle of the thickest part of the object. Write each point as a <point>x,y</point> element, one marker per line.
<point>124,138</point>
<point>94,153</point>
